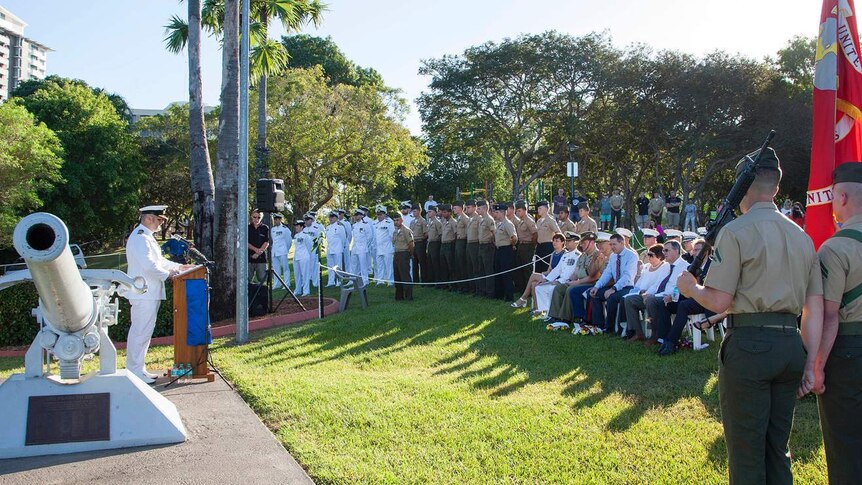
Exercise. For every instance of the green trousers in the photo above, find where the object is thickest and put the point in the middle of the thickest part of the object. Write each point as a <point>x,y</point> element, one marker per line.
<point>485,286</point>
<point>472,263</point>
<point>523,255</point>
<point>760,371</point>
<point>561,304</point>
<point>447,263</point>
<point>461,265</point>
<point>839,410</point>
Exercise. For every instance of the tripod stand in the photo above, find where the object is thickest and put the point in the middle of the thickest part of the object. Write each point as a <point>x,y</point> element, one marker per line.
<point>269,274</point>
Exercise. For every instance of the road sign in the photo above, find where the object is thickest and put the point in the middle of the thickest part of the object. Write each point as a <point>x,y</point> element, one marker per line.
<point>572,169</point>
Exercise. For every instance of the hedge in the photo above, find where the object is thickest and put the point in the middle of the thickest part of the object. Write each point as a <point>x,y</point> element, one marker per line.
<point>18,327</point>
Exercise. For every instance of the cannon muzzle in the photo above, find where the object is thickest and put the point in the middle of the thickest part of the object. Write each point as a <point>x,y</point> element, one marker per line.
<point>42,239</point>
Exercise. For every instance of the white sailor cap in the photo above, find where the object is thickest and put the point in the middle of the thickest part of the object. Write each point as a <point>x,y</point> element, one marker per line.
<point>380,208</point>
<point>689,236</point>
<point>156,210</point>
<point>307,216</point>
<point>358,212</point>
<point>622,231</point>
<point>701,231</point>
<point>650,233</point>
<point>406,204</point>
<point>673,233</point>
<point>602,236</point>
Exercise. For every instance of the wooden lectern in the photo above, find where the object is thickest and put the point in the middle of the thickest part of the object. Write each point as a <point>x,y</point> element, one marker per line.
<point>184,354</point>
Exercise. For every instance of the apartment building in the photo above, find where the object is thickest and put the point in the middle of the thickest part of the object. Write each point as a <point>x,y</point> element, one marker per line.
<point>21,58</point>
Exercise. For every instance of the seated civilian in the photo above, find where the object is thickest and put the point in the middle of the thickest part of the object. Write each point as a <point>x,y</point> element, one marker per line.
<point>687,307</point>
<point>661,304</point>
<point>651,277</point>
<point>558,241</point>
<point>621,269</point>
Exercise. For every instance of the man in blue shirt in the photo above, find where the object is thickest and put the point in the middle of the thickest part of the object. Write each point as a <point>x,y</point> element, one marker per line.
<point>616,281</point>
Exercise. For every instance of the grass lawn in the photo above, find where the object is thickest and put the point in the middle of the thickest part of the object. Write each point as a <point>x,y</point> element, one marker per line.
<point>455,389</point>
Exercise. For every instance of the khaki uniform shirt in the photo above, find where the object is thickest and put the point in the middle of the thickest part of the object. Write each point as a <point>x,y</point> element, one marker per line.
<point>567,225</point>
<point>840,259</point>
<point>504,232</point>
<point>656,205</point>
<point>766,262</point>
<point>616,202</point>
<point>448,230</point>
<point>582,270</point>
<point>486,229</point>
<point>419,228</point>
<point>586,224</point>
<point>547,227</point>
<point>473,229</point>
<point>435,230</point>
<point>461,226</point>
<point>526,229</point>
<point>401,238</point>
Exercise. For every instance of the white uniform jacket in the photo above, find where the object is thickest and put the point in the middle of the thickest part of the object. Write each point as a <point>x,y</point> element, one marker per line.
<point>145,259</point>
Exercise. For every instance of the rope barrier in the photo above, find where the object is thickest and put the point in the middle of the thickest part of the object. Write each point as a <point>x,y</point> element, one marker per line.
<point>435,283</point>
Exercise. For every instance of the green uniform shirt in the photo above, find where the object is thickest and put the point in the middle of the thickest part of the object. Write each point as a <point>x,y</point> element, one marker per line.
<point>766,262</point>
<point>840,259</point>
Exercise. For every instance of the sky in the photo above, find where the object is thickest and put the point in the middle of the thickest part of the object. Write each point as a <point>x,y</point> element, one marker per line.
<point>118,44</point>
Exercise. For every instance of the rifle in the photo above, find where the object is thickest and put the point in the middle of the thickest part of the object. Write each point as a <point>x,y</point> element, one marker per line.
<point>730,202</point>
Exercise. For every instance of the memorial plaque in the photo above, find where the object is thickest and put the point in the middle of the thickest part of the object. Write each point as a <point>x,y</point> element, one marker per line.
<point>68,418</point>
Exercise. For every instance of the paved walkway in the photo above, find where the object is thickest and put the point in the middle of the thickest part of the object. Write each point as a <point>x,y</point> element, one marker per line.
<point>227,444</point>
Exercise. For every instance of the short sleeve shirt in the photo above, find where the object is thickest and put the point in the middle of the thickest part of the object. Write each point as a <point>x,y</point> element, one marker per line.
<point>504,232</point>
<point>567,225</point>
<point>473,229</point>
<point>256,237</point>
<point>547,227</point>
<point>766,262</point>
<point>401,238</point>
<point>674,200</point>
<point>419,228</point>
<point>526,229</point>
<point>643,206</point>
<point>586,224</point>
<point>435,230</point>
<point>841,268</point>
<point>448,230</point>
<point>656,205</point>
<point>486,229</point>
<point>461,226</point>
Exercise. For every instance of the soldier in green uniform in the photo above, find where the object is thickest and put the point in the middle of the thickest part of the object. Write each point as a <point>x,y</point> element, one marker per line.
<point>527,231</point>
<point>435,232</point>
<point>840,352</point>
<point>461,221</point>
<point>485,286</point>
<point>472,245</point>
<point>765,273</point>
<point>419,227</point>
<point>447,247</point>
<point>402,239</point>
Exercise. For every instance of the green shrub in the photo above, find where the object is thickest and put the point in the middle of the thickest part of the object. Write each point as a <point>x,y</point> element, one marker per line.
<point>18,327</point>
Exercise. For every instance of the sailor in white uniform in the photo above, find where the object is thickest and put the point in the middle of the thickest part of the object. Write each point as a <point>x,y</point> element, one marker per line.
<point>384,228</point>
<point>335,237</point>
<point>302,258</point>
<point>145,259</point>
<point>281,242</point>
<point>359,252</point>
<point>313,229</point>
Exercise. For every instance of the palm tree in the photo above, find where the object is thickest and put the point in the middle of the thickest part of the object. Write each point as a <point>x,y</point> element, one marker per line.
<point>180,34</point>
<point>269,57</point>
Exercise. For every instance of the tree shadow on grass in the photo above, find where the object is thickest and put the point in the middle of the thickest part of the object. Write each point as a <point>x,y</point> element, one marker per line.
<point>492,349</point>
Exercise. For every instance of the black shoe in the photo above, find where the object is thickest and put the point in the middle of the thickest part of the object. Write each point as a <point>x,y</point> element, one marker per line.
<point>665,349</point>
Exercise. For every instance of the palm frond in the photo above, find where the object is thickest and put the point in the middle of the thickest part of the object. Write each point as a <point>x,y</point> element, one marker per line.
<point>176,34</point>
<point>257,33</point>
<point>212,15</point>
<point>268,58</point>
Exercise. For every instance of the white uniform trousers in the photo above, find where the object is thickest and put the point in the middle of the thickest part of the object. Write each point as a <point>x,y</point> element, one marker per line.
<point>542,294</point>
<point>333,259</point>
<point>360,266</point>
<point>281,267</point>
<point>302,276</point>
<point>143,315</point>
<point>384,269</point>
<point>314,270</point>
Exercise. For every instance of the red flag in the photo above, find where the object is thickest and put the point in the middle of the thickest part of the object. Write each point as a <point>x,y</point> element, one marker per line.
<point>836,135</point>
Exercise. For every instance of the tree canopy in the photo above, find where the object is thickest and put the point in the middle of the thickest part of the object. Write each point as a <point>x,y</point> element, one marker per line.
<point>30,161</point>
<point>101,173</point>
<point>307,51</point>
<point>325,138</point>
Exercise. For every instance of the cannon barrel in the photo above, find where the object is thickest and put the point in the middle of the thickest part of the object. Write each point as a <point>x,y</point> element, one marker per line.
<point>42,239</point>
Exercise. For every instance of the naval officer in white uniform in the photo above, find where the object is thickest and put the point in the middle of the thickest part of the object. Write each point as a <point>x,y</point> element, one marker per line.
<point>145,259</point>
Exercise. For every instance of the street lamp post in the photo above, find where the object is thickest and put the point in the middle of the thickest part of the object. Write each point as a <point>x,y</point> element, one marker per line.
<point>572,168</point>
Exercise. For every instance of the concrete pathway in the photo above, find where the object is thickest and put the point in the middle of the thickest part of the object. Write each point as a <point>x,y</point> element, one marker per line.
<point>227,444</point>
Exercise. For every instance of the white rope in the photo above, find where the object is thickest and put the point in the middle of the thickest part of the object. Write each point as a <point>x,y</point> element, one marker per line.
<point>343,274</point>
